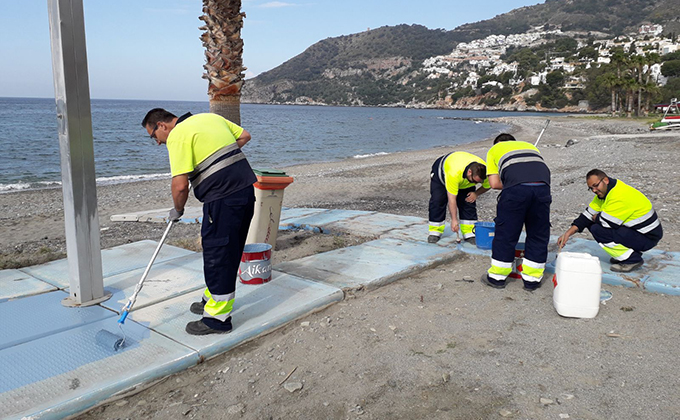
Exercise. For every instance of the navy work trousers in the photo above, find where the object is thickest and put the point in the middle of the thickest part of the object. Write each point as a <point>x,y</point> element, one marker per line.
<point>528,206</point>
<point>223,234</point>
<point>625,236</point>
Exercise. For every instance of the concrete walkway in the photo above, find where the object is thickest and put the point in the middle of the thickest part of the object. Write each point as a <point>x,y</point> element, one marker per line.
<point>52,366</point>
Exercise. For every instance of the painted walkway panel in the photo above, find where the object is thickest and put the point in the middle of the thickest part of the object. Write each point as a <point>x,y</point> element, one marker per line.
<point>65,373</point>
<point>369,265</point>
<point>257,309</point>
<point>15,284</point>
<point>114,261</point>
<point>288,213</point>
<point>659,273</point>
<point>33,317</point>
<point>164,281</point>
<point>373,224</point>
<point>322,219</point>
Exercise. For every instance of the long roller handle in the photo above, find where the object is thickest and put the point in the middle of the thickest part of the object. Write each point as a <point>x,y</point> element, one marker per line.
<point>133,298</point>
<point>541,134</point>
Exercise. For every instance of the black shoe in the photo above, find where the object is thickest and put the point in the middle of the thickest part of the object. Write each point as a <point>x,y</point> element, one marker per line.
<point>496,284</point>
<point>197,307</point>
<point>532,285</point>
<point>471,241</point>
<point>200,328</point>
<point>433,239</point>
<point>613,261</point>
<point>626,268</point>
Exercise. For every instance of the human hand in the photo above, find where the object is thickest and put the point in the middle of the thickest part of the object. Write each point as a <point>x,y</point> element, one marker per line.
<point>562,240</point>
<point>175,214</point>
<point>455,226</point>
<point>471,197</point>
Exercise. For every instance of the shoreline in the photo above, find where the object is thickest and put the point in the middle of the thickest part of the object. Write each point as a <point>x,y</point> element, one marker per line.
<point>393,183</point>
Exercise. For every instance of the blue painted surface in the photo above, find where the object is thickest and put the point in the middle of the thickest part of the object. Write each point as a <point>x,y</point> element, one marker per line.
<point>372,224</point>
<point>15,284</point>
<point>39,316</point>
<point>296,213</point>
<point>257,310</point>
<point>659,274</point>
<point>65,373</point>
<point>114,261</point>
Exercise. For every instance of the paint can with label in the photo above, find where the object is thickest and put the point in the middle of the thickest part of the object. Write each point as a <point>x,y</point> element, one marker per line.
<point>256,264</point>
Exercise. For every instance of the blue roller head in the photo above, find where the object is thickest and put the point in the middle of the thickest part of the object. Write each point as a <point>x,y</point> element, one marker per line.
<point>109,340</point>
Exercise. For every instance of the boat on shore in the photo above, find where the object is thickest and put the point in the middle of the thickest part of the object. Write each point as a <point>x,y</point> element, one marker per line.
<point>670,119</point>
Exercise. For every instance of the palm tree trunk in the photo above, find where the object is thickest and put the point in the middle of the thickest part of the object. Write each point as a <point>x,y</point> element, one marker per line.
<point>224,56</point>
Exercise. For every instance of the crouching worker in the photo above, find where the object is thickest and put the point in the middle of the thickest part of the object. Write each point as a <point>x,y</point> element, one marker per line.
<point>453,183</point>
<point>206,150</point>
<point>621,219</point>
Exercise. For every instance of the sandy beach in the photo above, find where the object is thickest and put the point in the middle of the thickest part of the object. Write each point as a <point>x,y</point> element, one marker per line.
<point>438,344</point>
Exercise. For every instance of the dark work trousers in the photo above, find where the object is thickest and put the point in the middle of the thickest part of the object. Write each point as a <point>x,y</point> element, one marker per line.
<point>439,199</point>
<point>223,232</point>
<point>625,236</point>
<point>528,206</point>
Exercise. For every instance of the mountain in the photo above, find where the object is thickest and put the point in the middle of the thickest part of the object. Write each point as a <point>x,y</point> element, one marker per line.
<point>384,66</point>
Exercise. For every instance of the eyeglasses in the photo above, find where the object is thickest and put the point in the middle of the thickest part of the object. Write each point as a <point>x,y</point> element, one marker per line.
<point>153,133</point>
<point>594,186</point>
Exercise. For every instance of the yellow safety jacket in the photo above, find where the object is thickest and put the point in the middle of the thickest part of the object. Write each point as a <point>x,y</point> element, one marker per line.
<point>623,205</point>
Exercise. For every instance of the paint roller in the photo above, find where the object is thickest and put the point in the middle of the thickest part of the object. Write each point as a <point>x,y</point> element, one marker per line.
<point>111,341</point>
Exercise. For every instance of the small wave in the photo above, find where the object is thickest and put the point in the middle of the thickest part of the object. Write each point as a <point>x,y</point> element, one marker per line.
<point>26,186</point>
<point>130,178</point>
<point>369,155</point>
<point>23,186</point>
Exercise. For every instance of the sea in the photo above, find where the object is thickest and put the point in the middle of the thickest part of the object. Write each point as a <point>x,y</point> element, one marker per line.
<point>282,135</point>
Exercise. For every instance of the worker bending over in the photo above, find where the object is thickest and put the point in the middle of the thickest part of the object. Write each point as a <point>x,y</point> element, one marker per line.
<point>620,218</point>
<point>453,183</point>
<point>517,168</point>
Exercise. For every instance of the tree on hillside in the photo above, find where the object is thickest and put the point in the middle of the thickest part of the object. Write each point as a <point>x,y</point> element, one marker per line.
<point>224,56</point>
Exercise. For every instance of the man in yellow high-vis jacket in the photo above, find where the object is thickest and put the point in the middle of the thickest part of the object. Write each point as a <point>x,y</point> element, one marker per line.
<point>453,181</point>
<point>621,219</point>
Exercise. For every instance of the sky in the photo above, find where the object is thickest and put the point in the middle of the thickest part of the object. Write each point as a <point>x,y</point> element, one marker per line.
<point>150,49</point>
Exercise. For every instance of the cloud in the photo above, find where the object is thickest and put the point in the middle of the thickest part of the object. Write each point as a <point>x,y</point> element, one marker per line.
<point>275,4</point>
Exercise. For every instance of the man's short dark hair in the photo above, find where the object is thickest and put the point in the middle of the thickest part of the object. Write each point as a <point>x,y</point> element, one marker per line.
<point>596,172</point>
<point>478,169</point>
<point>503,137</point>
<point>157,115</point>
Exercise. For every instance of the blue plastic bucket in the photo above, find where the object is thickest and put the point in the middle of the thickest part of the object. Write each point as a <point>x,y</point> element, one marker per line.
<point>484,232</point>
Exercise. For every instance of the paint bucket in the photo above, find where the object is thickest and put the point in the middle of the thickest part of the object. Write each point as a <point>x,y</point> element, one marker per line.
<point>484,232</point>
<point>517,264</point>
<point>577,282</point>
<point>256,265</point>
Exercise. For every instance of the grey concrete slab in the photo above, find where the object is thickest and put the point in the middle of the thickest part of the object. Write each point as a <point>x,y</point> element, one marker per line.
<point>374,223</point>
<point>318,221</point>
<point>37,316</point>
<point>368,265</point>
<point>296,213</point>
<point>115,260</point>
<point>191,215</point>
<point>164,281</point>
<point>15,284</point>
<point>258,309</point>
<point>65,373</point>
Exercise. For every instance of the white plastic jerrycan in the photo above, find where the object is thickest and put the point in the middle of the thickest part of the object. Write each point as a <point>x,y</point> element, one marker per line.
<point>577,281</point>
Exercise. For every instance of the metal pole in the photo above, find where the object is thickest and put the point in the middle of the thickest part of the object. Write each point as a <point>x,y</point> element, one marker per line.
<point>72,95</point>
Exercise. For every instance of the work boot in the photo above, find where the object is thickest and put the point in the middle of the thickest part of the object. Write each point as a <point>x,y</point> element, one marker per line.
<point>433,239</point>
<point>200,327</point>
<point>530,286</point>
<point>197,307</point>
<point>471,240</point>
<point>626,268</point>
<point>496,284</point>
